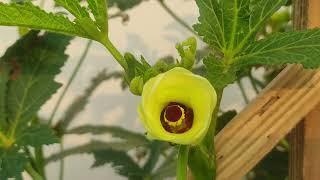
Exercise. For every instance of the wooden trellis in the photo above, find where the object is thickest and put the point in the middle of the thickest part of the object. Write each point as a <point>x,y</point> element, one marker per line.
<point>288,99</point>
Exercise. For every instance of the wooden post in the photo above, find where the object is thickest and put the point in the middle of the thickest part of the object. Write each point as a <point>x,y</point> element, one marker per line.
<point>304,161</point>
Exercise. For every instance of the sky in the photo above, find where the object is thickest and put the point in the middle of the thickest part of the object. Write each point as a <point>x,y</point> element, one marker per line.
<point>151,32</point>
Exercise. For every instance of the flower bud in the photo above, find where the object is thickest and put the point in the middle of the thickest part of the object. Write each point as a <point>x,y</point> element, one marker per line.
<point>136,85</point>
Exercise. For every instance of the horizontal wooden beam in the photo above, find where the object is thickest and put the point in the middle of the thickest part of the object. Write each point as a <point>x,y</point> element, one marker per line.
<point>265,121</point>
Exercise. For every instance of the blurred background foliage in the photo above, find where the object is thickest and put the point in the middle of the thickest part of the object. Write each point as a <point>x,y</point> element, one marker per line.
<point>130,153</point>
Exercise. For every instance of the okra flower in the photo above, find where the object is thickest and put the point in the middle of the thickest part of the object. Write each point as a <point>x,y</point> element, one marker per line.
<point>177,106</point>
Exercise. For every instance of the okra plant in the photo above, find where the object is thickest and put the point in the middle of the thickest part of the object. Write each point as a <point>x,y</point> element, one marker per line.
<point>177,105</point>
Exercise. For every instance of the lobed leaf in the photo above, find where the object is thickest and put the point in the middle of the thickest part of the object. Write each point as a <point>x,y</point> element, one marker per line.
<point>219,74</point>
<point>35,61</point>
<point>29,15</point>
<point>12,163</point>
<point>99,10</point>
<point>4,78</point>
<point>230,25</point>
<point>36,136</point>
<point>284,48</point>
<point>73,7</point>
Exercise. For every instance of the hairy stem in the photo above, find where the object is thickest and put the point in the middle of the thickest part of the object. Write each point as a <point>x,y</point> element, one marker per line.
<point>176,17</point>
<point>115,53</point>
<point>182,162</point>
<point>33,173</point>
<point>73,75</point>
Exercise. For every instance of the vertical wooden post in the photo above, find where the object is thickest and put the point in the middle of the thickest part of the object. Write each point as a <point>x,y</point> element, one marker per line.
<point>304,161</point>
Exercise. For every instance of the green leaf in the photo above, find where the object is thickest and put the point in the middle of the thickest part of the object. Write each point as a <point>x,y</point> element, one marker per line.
<point>260,13</point>
<point>230,25</point>
<point>210,24</point>
<point>4,77</point>
<point>35,61</point>
<point>284,48</point>
<point>12,163</point>
<point>73,7</point>
<point>83,18</point>
<point>31,16</point>
<point>235,21</point>
<point>99,10</point>
<point>219,74</point>
<point>119,160</point>
<point>36,136</point>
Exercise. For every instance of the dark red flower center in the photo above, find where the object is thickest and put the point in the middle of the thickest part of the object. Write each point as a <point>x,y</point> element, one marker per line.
<point>176,118</point>
<point>173,113</point>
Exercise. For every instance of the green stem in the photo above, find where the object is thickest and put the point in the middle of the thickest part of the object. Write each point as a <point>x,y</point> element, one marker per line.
<point>243,92</point>
<point>73,75</point>
<point>34,174</point>
<point>115,53</point>
<point>39,158</point>
<point>176,17</point>
<point>182,162</point>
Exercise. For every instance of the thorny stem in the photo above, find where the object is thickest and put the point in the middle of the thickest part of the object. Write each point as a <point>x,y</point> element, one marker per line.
<point>73,75</point>
<point>176,17</point>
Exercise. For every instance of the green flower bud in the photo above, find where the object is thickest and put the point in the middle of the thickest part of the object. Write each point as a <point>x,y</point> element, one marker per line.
<point>136,85</point>
<point>177,106</point>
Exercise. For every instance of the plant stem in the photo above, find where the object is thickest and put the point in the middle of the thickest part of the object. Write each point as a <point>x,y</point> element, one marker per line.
<point>39,158</point>
<point>182,162</point>
<point>73,75</point>
<point>34,174</point>
<point>176,17</point>
<point>115,53</point>
<point>243,92</point>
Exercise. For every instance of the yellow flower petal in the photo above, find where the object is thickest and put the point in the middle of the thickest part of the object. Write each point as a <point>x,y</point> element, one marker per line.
<point>180,86</point>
